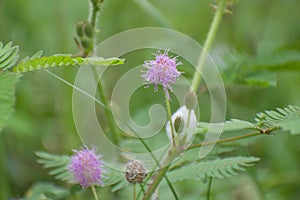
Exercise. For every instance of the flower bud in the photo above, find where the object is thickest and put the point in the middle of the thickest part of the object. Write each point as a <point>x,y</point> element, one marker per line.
<point>135,172</point>
<point>86,43</point>
<point>79,28</point>
<point>190,100</point>
<point>88,30</point>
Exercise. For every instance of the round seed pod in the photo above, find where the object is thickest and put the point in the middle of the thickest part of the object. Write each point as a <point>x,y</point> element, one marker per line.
<point>135,172</point>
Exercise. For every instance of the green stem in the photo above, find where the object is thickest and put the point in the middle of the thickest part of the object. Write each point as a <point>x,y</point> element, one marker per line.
<point>94,12</point>
<point>115,132</point>
<point>209,188</point>
<point>115,136</point>
<point>208,43</point>
<point>157,163</point>
<point>94,193</point>
<point>170,118</point>
<point>134,192</point>
<point>173,153</point>
<point>226,139</point>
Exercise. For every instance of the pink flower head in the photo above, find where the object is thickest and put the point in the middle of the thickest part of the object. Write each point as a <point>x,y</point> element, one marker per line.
<point>161,71</point>
<point>86,167</point>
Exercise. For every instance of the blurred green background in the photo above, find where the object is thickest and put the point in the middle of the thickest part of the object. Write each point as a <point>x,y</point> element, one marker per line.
<point>43,117</point>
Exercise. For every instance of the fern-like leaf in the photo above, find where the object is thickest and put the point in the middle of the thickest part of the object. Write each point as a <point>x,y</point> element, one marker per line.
<point>57,163</point>
<point>8,55</point>
<point>8,82</point>
<point>36,62</point>
<point>216,168</point>
<point>286,118</point>
<point>46,191</point>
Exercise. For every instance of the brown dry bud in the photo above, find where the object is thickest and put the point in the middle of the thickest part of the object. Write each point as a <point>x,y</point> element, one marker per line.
<point>135,172</point>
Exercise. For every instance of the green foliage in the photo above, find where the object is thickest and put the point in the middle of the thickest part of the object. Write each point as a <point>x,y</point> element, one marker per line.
<point>8,82</point>
<point>8,55</point>
<point>46,191</point>
<point>286,118</point>
<point>219,168</point>
<point>115,179</point>
<point>57,163</point>
<point>61,60</point>
<point>259,70</point>
<point>229,126</point>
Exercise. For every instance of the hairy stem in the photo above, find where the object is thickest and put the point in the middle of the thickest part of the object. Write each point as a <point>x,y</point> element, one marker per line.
<point>173,153</point>
<point>94,11</point>
<point>170,118</point>
<point>208,43</point>
<point>115,132</point>
<point>94,193</point>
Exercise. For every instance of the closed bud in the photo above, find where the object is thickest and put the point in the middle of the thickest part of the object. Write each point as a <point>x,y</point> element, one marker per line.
<point>135,172</point>
<point>88,30</point>
<point>86,43</point>
<point>79,28</point>
<point>190,100</point>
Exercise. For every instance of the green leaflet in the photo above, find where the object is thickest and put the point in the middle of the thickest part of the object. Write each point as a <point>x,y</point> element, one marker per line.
<point>219,168</point>
<point>47,191</point>
<point>286,118</point>
<point>8,82</point>
<point>8,55</point>
<point>61,60</point>
<point>57,163</point>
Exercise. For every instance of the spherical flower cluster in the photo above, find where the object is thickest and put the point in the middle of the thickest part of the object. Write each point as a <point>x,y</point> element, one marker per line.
<point>86,167</point>
<point>161,71</point>
<point>135,172</point>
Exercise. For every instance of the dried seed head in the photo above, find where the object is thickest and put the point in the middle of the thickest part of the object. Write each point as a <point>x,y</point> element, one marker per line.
<point>135,172</point>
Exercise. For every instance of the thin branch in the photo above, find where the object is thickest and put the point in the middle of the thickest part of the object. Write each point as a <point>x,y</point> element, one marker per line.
<point>230,139</point>
<point>209,188</point>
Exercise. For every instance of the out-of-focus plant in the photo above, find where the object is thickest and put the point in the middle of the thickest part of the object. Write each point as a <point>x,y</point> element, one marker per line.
<point>183,129</point>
